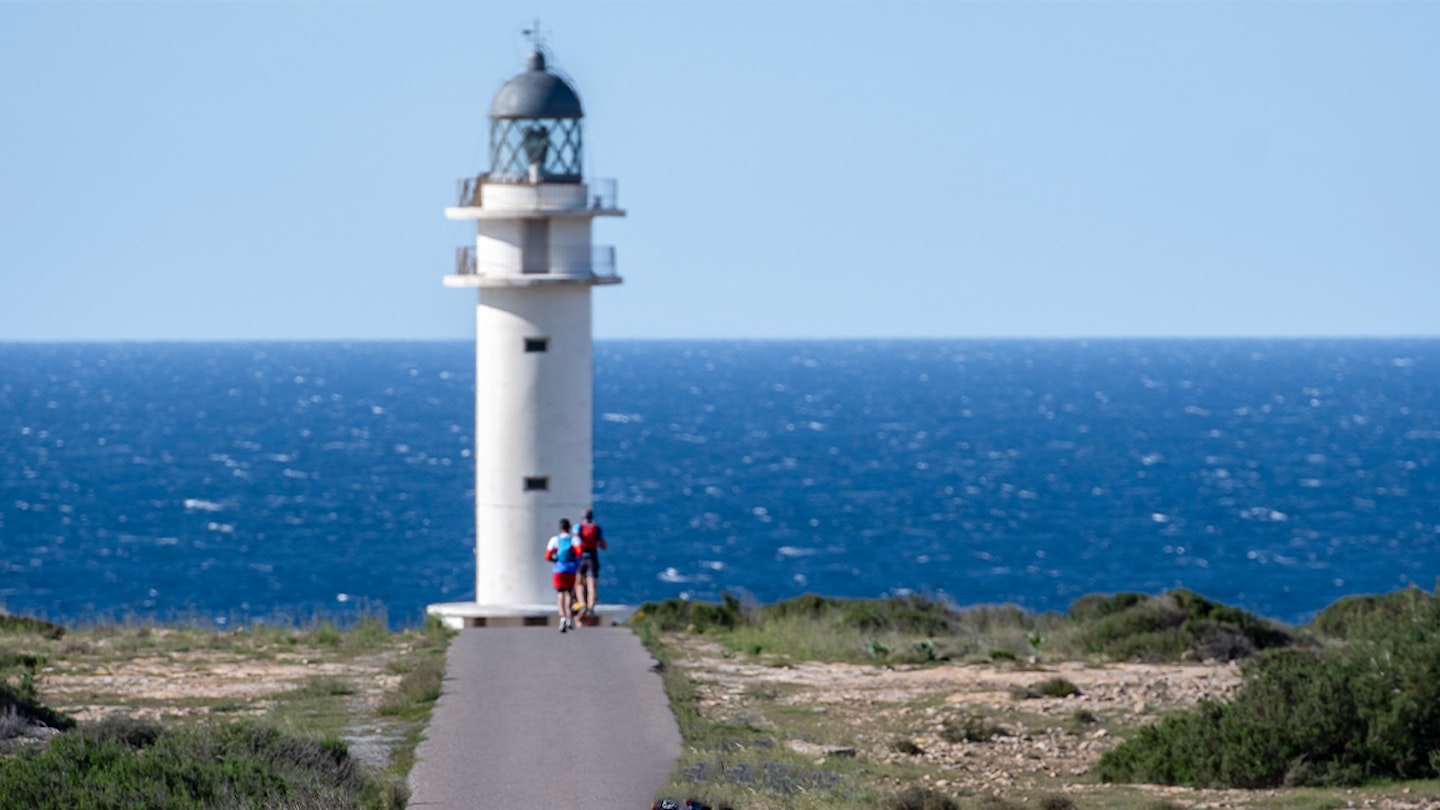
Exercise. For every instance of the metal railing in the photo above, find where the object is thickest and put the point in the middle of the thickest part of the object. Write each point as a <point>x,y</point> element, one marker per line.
<point>603,194</point>
<point>469,188</point>
<point>597,262</point>
<point>465,260</point>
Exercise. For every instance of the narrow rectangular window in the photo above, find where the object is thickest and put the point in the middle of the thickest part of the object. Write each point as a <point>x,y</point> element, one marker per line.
<point>536,483</point>
<point>537,344</point>
<point>535,246</point>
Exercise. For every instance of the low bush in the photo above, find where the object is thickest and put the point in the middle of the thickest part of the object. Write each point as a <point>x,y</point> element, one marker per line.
<point>1367,710</point>
<point>125,730</point>
<point>909,614</point>
<point>23,625</point>
<point>905,615</point>
<point>968,728</point>
<point>1362,617</point>
<point>683,615</point>
<point>756,772</point>
<point>906,746</point>
<point>1129,626</point>
<point>235,765</point>
<point>319,686</point>
<point>921,798</point>
<point>1056,687</point>
<point>25,661</point>
<point>23,707</point>
<point>998,803</point>
<point>911,629</point>
<point>1096,606</point>
<point>418,690</point>
<point>896,630</point>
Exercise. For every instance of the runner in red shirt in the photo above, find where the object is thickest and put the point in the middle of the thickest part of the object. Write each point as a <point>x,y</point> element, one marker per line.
<point>592,541</point>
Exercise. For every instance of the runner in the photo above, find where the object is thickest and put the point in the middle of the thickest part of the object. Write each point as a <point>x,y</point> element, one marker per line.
<point>564,550</point>
<point>592,541</point>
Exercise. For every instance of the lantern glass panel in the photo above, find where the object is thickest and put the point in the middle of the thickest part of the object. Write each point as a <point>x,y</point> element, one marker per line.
<point>552,144</point>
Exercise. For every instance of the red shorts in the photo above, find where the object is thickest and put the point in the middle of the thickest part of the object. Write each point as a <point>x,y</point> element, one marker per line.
<point>563,582</point>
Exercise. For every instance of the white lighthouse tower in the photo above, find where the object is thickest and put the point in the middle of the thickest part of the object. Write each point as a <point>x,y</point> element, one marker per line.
<point>534,266</point>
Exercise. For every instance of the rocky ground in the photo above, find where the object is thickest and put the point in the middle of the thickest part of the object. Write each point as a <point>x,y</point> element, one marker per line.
<point>1020,743</point>
<point>1023,744</point>
<point>181,686</point>
<point>189,684</point>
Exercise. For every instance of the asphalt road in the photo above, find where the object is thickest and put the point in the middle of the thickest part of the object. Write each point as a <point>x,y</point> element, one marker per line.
<point>531,719</point>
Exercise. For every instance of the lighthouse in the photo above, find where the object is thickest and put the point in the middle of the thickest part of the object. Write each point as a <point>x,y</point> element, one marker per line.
<point>534,266</point>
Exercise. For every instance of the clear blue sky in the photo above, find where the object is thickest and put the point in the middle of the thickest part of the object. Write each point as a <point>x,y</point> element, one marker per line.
<point>280,170</point>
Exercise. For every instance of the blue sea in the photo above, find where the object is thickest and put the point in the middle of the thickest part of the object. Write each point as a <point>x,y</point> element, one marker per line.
<point>240,481</point>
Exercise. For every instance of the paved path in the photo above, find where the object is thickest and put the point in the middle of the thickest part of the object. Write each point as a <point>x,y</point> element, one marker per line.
<point>519,725</point>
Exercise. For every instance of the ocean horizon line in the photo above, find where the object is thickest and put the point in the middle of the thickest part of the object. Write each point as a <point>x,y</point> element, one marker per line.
<point>735,340</point>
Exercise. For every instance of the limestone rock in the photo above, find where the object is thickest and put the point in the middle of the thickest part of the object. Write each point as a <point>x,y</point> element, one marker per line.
<point>814,750</point>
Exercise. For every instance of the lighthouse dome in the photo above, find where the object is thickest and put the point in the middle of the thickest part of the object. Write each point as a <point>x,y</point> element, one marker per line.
<point>536,93</point>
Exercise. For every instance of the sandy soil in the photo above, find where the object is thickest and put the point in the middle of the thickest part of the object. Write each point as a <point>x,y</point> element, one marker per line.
<point>181,684</point>
<point>1044,745</point>
<point>197,683</point>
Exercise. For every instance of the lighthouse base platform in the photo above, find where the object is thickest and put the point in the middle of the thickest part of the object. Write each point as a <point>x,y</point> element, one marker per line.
<point>460,615</point>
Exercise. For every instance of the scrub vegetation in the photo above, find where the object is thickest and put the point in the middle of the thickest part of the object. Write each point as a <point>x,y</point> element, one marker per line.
<point>911,703</point>
<point>1361,708</point>
<point>1176,626</point>
<point>138,714</point>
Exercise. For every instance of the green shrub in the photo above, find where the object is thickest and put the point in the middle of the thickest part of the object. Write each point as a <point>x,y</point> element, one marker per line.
<point>1166,628</point>
<point>674,615</point>
<point>1003,620</point>
<point>1095,606</point>
<point>23,706</point>
<point>235,765</point>
<point>370,632</point>
<point>22,625</point>
<point>906,746</point>
<point>319,686</point>
<point>896,630</point>
<point>19,660</point>
<point>128,731</point>
<point>1057,687</point>
<point>897,614</point>
<point>998,803</point>
<point>968,728</point>
<point>1362,617</point>
<point>328,634</point>
<point>915,797</point>
<point>927,651</point>
<point>418,689</point>
<point>1368,710</point>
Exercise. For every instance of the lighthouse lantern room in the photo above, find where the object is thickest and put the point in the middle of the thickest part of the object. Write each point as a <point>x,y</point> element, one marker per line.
<point>534,266</point>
